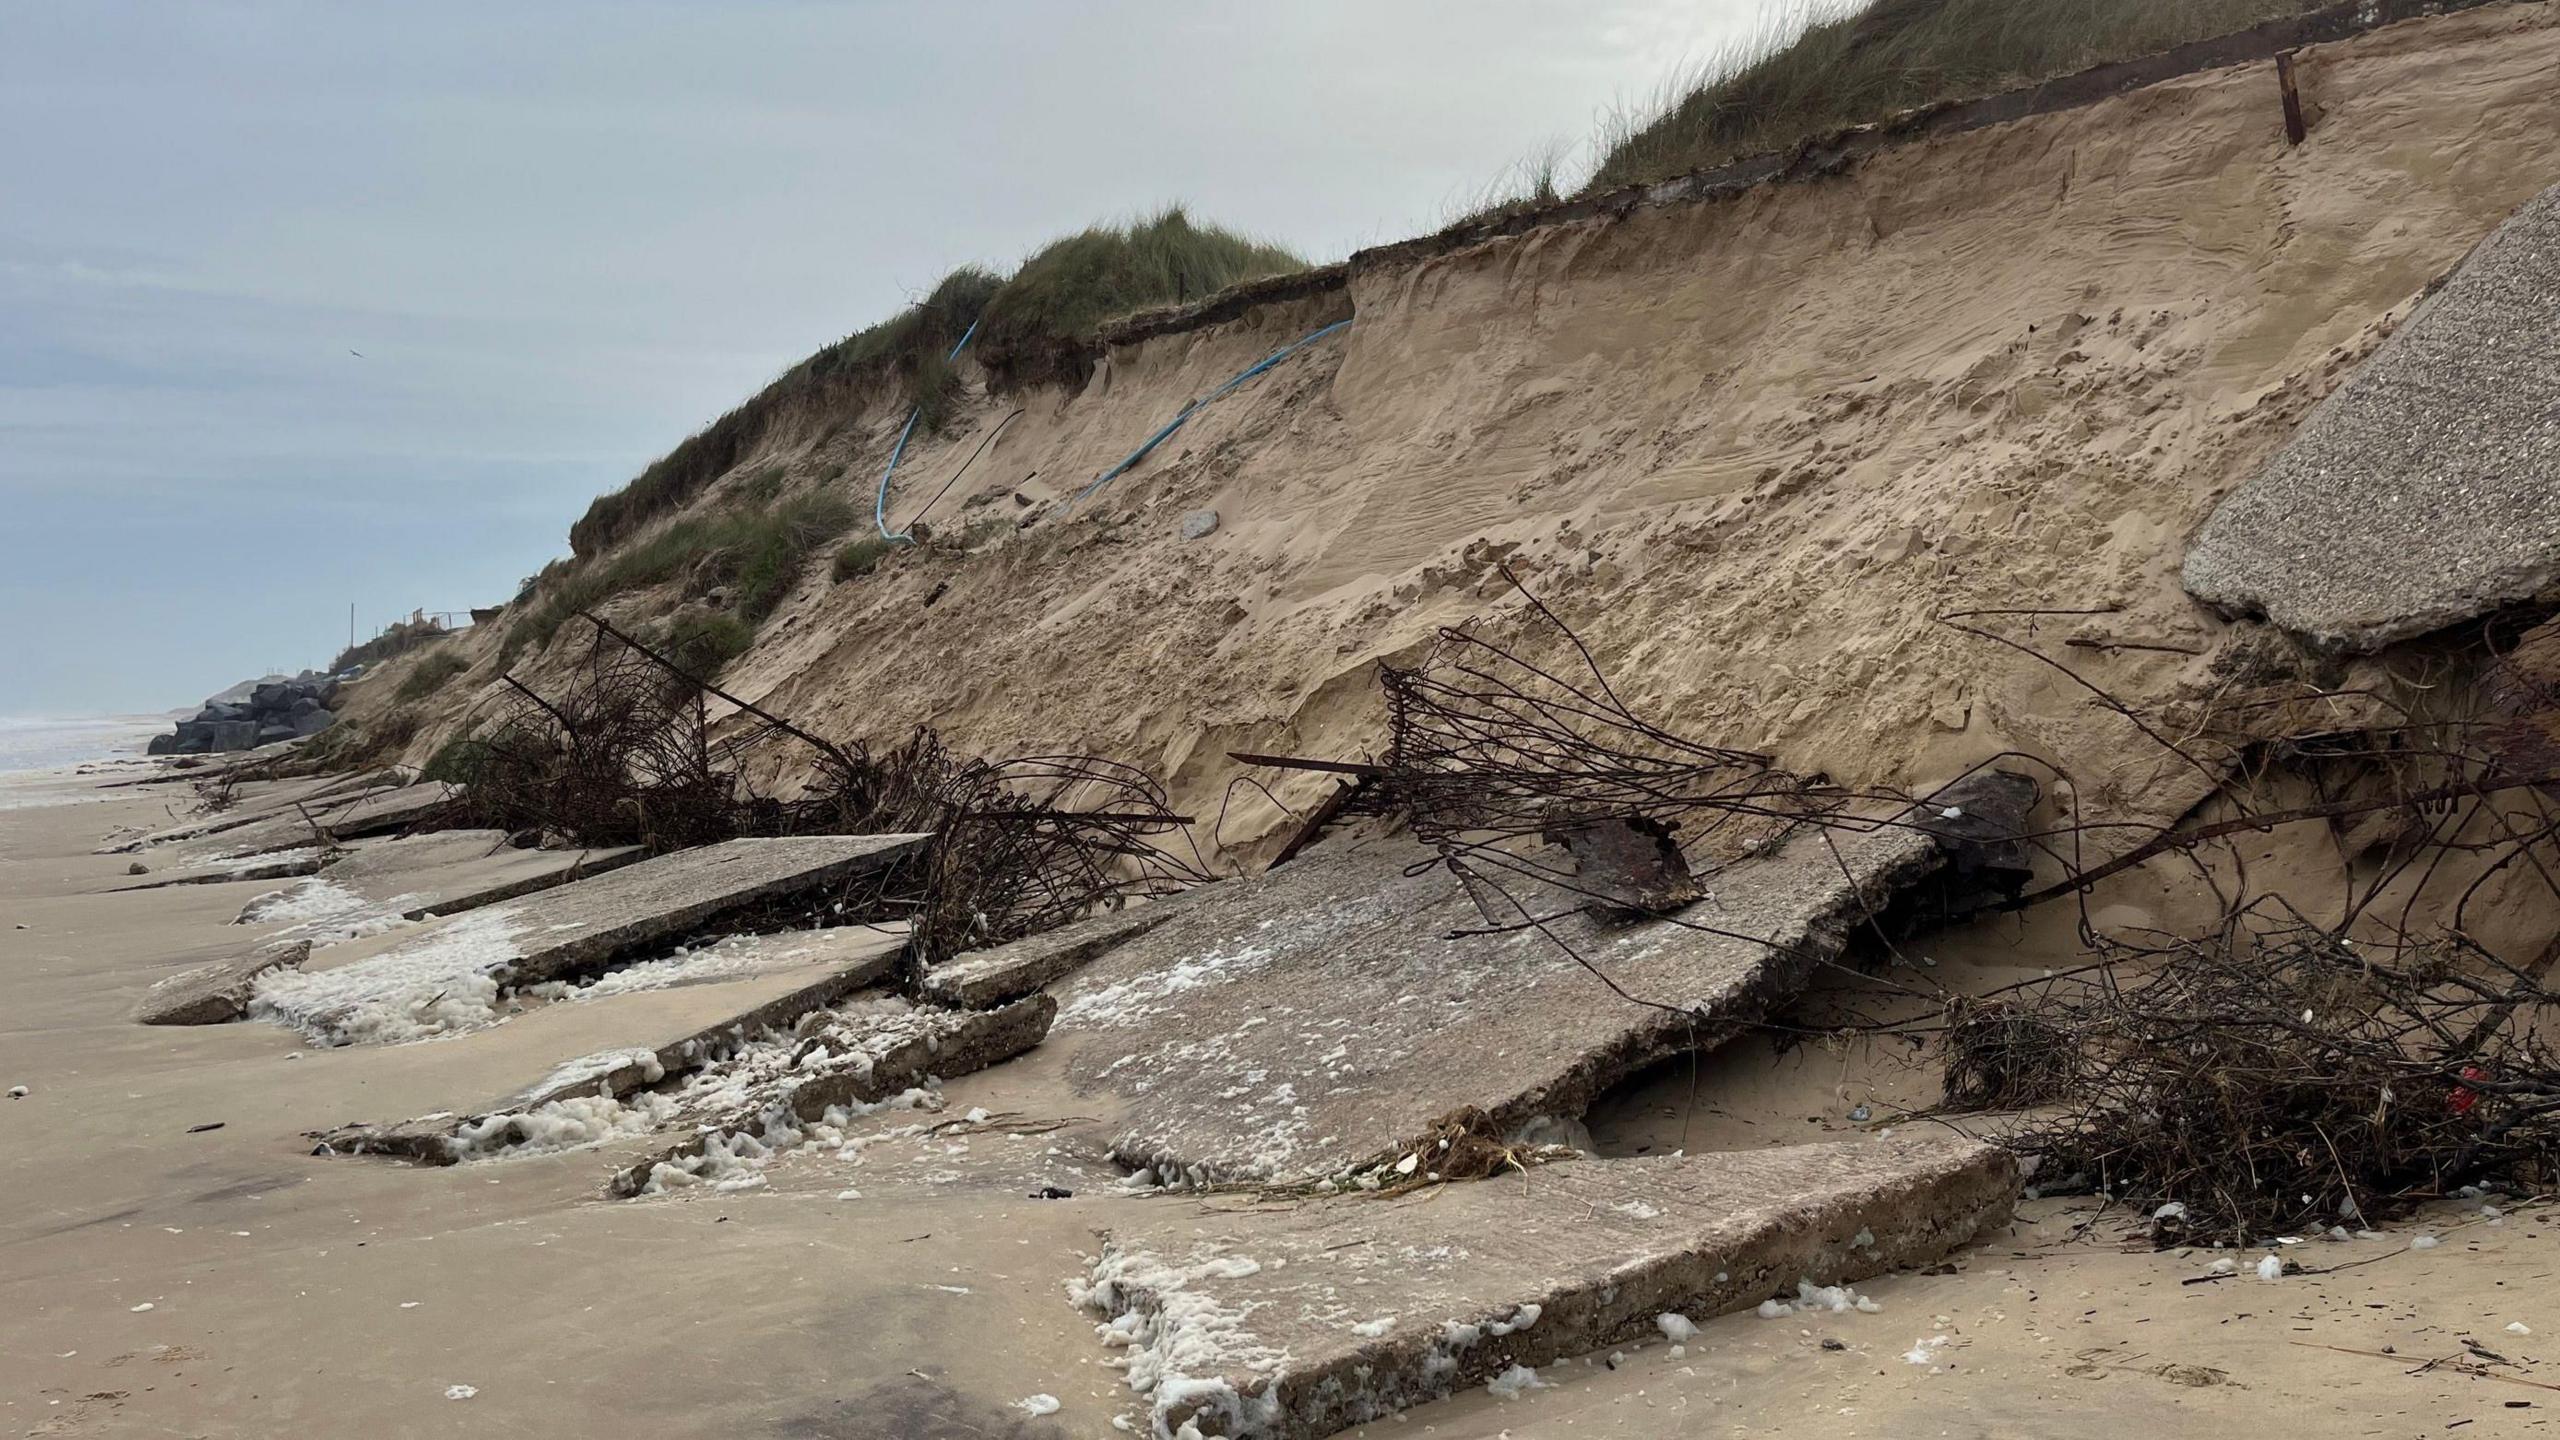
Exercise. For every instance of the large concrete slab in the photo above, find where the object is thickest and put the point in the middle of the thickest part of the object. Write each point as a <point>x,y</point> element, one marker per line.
<point>341,818</point>
<point>441,872</point>
<point>1283,1323</point>
<point>266,865</point>
<point>250,804</point>
<point>750,985</point>
<point>1326,1017</point>
<point>2426,490</point>
<point>449,976</point>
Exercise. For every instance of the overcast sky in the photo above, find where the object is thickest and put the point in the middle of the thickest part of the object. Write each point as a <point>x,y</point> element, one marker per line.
<point>304,305</point>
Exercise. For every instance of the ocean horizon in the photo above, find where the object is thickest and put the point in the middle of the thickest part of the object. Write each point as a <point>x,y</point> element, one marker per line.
<point>50,742</point>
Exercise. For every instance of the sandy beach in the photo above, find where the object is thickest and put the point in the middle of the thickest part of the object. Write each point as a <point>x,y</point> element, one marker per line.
<point>175,1261</point>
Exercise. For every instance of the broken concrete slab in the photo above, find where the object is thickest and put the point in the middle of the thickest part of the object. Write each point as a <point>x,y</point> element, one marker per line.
<point>450,975</point>
<point>978,979</point>
<point>270,865</point>
<point>764,1098</point>
<point>1291,1323</point>
<point>1334,1015</point>
<point>762,983</point>
<point>441,872</point>
<point>251,803</point>
<point>2421,493</point>
<point>218,992</point>
<point>343,818</point>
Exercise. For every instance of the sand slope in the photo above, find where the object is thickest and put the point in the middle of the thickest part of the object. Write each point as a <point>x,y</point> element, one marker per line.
<point>1752,447</point>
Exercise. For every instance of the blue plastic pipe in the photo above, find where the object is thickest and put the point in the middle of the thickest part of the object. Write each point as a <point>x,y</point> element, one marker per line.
<point>1177,422</point>
<point>880,502</point>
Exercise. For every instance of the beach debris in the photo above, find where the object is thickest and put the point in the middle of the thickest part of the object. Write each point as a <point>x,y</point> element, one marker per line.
<point>18,1092</point>
<point>623,753</point>
<point>2272,1075</point>
<point>1199,524</point>
<point>447,872</point>
<point>1630,865</point>
<point>325,821</point>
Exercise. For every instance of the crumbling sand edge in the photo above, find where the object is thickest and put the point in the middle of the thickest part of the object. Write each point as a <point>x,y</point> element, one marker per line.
<point>1813,158</point>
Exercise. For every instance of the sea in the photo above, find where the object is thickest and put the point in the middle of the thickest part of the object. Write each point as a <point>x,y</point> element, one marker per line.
<point>54,742</point>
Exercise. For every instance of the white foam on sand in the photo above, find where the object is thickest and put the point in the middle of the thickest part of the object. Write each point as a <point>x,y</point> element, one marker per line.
<point>1185,1342</point>
<point>324,912</point>
<point>440,983</point>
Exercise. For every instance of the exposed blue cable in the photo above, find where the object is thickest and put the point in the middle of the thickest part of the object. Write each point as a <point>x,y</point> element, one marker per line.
<point>1176,423</point>
<point>880,502</point>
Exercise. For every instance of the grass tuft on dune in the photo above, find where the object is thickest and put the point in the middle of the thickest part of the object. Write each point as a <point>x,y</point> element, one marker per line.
<point>1811,68</point>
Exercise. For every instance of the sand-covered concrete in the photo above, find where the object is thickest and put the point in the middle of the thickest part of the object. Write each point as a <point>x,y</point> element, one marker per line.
<point>2426,490</point>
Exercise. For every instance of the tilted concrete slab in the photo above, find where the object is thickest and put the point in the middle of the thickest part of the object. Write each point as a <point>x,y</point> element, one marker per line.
<point>457,870</point>
<point>761,1099</point>
<point>2426,490</point>
<point>268,865</point>
<point>342,818</point>
<point>216,992</point>
<point>449,975</point>
<point>1283,1323</point>
<point>441,872</point>
<point>748,985</point>
<point>1321,1018</point>
<point>977,979</point>
<point>250,805</point>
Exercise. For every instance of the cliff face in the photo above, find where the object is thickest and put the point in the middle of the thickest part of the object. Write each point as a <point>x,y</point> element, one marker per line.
<point>1756,448</point>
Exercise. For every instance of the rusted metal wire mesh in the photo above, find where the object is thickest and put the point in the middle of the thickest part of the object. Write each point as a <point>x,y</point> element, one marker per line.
<point>2274,1078</point>
<point>626,753</point>
<point>1486,745</point>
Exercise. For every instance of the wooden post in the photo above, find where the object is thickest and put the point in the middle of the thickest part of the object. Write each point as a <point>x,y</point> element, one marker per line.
<point>2293,126</point>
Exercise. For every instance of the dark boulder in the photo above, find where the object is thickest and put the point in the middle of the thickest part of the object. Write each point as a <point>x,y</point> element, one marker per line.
<point>232,735</point>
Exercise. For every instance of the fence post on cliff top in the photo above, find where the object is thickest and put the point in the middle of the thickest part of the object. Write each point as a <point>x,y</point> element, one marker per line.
<point>2294,130</point>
